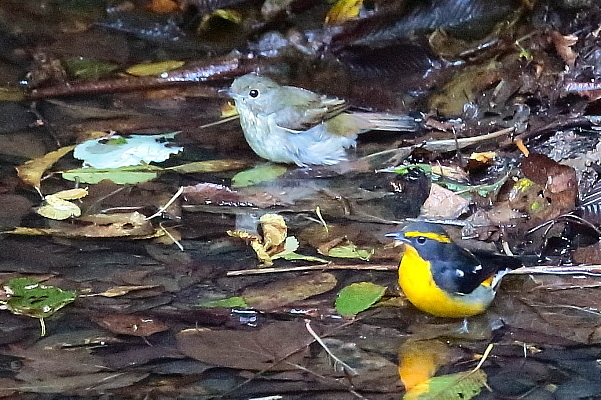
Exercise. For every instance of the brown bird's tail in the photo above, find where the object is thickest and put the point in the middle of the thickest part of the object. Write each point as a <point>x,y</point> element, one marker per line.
<point>387,122</point>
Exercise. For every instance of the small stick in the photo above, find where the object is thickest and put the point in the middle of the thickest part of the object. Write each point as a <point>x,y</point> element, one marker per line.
<point>337,360</point>
<point>321,267</point>
<point>166,206</point>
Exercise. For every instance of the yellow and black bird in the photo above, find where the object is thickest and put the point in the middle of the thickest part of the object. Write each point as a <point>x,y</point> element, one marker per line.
<point>442,278</point>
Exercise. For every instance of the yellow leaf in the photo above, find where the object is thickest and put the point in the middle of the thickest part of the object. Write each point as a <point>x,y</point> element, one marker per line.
<point>229,15</point>
<point>342,11</point>
<point>256,243</point>
<point>483,157</point>
<point>228,110</point>
<point>57,208</point>
<point>274,230</point>
<point>71,194</point>
<point>31,172</point>
<point>157,68</point>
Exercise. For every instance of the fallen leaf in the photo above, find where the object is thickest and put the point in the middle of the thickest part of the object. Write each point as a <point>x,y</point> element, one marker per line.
<point>443,203</point>
<point>28,297</point>
<point>88,68</point>
<point>283,292</point>
<point>275,347</point>
<point>121,176</point>
<point>156,68</point>
<point>343,11</point>
<point>129,324</point>
<point>273,244</point>
<point>31,172</point>
<point>71,194</point>
<point>56,208</point>
<point>274,229</point>
<point>219,195</point>
<point>201,167</point>
<point>228,110</point>
<point>256,242</point>
<point>261,173</point>
<point>122,290</point>
<point>563,46</point>
<point>230,302</point>
<point>358,297</point>
<point>350,250</point>
<point>124,225</point>
<point>115,151</point>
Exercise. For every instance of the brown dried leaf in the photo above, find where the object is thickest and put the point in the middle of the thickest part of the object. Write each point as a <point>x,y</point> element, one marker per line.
<point>555,191</point>
<point>127,225</point>
<point>277,347</point>
<point>563,46</point>
<point>212,194</point>
<point>31,172</point>
<point>129,324</point>
<point>443,203</point>
<point>115,225</point>
<point>283,292</point>
<point>121,290</point>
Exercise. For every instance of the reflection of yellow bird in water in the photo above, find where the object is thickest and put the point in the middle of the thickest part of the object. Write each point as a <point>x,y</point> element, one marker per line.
<point>444,279</point>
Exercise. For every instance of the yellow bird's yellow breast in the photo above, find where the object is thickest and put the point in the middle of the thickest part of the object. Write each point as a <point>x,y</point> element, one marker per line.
<point>416,281</point>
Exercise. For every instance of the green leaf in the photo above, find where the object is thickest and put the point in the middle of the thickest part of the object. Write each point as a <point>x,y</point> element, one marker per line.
<point>121,176</point>
<point>404,169</point>
<point>358,297</point>
<point>459,386</point>
<point>229,302</point>
<point>27,297</point>
<point>258,174</point>
<point>85,68</point>
<point>198,167</point>
<point>156,68</point>
<point>296,256</point>
<point>349,250</point>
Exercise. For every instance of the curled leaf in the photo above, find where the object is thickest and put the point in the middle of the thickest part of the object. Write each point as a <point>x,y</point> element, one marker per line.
<point>56,208</point>
<point>31,172</point>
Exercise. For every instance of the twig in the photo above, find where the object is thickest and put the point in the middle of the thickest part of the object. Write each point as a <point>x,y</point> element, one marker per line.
<point>350,370</point>
<point>593,270</point>
<point>166,206</point>
<point>322,267</point>
<point>175,241</point>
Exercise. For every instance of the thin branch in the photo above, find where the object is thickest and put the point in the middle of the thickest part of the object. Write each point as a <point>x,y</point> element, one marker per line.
<point>350,370</point>
<point>168,204</point>
<point>321,267</point>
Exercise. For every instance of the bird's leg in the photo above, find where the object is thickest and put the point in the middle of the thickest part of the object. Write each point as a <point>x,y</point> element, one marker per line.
<point>464,329</point>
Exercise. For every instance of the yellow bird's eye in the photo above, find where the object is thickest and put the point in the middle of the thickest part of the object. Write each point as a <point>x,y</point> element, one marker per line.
<point>421,240</point>
<point>254,93</point>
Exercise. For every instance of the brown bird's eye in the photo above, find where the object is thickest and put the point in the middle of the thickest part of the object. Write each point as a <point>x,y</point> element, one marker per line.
<point>253,93</point>
<point>421,240</point>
